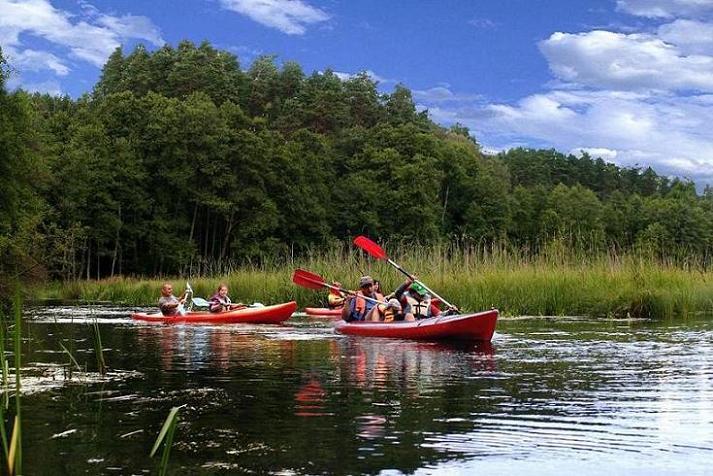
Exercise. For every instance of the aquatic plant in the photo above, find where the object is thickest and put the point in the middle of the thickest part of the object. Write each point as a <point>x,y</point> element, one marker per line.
<point>166,436</point>
<point>98,348</point>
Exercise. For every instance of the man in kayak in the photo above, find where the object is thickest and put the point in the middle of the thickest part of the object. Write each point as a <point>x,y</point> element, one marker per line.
<point>356,308</point>
<point>220,301</point>
<point>168,303</point>
<point>335,300</point>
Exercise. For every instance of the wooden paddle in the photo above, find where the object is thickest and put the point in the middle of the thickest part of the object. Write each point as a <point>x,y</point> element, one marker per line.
<point>378,252</point>
<point>310,280</point>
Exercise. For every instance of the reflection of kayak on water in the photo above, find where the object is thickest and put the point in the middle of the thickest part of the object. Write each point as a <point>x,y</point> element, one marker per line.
<point>249,315</point>
<point>322,312</point>
<point>471,327</point>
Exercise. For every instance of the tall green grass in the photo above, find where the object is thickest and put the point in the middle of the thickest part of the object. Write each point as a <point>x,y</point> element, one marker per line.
<point>556,281</point>
<point>12,449</point>
<point>165,436</point>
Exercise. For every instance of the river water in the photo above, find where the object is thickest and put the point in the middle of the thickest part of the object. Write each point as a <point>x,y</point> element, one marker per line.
<point>566,396</point>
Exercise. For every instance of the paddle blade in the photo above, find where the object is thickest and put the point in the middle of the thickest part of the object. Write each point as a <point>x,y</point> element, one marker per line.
<point>200,302</point>
<point>307,279</point>
<point>370,247</point>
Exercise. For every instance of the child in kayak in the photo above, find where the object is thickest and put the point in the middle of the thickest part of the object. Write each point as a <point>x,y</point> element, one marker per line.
<point>169,304</point>
<point>220,301</point>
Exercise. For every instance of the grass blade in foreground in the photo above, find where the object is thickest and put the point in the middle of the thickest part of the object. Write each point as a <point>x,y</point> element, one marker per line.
<point>4,405</point>
<point>166,433</point>
<point>101,363</point>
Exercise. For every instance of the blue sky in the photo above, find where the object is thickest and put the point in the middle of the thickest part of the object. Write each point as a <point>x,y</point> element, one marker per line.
<point>628,80</point>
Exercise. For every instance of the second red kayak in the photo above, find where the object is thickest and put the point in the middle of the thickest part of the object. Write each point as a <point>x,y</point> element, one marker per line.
<point>322,312</point>
<point>248,315</point>
<point>471,327</point>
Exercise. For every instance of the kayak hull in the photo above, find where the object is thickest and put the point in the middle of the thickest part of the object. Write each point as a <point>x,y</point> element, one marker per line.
<point>248,315</point>
<point>322,312</point>
<point>465,327</point>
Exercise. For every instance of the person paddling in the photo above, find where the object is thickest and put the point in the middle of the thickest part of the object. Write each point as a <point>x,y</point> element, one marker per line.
<point>356,308</point>
<point>220,301</point>
<point>416,301</point>
<point>168,303</point>
<point>336,298</point>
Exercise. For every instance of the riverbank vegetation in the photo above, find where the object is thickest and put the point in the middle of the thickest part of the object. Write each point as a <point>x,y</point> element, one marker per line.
<point>552,283</point>
<point>182,163</point>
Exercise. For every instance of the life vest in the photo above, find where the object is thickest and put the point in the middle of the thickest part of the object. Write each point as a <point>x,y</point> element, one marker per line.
<point>360,307</point>
<point>218,304</point>
<point>419,309</point>
<point>386,314</point>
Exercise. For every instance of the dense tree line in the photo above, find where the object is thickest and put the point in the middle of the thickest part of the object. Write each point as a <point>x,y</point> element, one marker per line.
<point>180,156</point>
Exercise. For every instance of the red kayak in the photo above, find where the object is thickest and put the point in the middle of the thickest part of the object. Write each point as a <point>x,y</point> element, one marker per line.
<point>472,327</point>
<point>322,312</point>
<point>249,315</point>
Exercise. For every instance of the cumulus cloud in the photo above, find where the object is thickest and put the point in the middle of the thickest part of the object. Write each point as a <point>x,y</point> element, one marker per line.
<point>601,152</point>
<point>691,37</point>
<point>89,37</point>
<point>372,75</point>
<point>643,97</point>
<point>33,60</point>
<point>664,130</point>
<point>610,60</point>
<point>665,8</point>
<point>289,16</point>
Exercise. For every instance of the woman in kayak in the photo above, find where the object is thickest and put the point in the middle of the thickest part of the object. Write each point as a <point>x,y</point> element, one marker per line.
<point>335,300</point>
<point>168,303</point>
<point>220,301</point>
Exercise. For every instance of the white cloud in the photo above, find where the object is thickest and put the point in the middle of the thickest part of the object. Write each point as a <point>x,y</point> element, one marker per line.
<point>689,36</point>
<point>90,37</point>
<point>50,86</point>
<point>372,75</point>
<point>289,16</point>
<point>665,8</point>
<point>666,131</point>
<point>33,60</point>
<point>605,59</point>
<point>596,152</point>
<point>483,23</point>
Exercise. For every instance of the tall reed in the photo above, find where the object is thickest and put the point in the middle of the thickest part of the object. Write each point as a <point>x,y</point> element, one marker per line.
<point>5,403</point>
<point>14,452</point>
<point>166,436</point>
<point>98,348</point>
<point>554,281</point>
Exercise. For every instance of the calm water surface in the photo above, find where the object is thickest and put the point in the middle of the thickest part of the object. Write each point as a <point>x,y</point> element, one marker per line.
<point>567,396</point>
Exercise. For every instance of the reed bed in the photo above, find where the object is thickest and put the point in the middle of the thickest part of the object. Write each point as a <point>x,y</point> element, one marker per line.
<point>555,282</point>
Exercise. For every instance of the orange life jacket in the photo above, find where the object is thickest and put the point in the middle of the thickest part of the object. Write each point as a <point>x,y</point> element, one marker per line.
<point>360,307</point>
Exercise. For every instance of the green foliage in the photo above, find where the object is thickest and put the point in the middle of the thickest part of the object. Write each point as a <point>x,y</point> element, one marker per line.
<point>180,161</point>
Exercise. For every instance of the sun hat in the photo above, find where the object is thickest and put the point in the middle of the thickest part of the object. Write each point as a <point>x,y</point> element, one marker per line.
<point>418,287</point>
<point>393,304</point>
<point>365,281</point>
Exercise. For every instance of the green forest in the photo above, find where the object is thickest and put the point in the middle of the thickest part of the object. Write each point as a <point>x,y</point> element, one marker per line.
<point>179,157</point>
